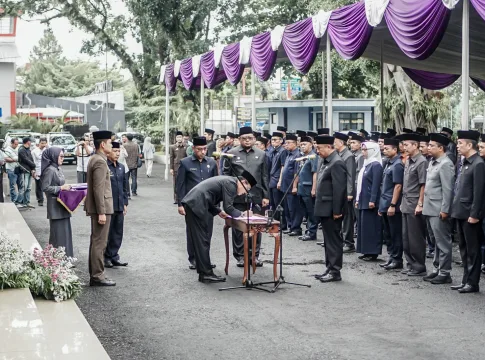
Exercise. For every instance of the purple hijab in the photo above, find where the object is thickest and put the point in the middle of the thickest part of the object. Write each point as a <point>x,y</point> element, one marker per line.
<point>50,156</point>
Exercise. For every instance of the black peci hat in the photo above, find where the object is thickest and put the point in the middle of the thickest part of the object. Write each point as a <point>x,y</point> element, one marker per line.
<point>439,138</point>
<point>392,142</point>
<point>199,141</point>
<point>363,131</point>
<point>421,130</point>
<point>374,138</point>
<point>256,134</point>
<point>407,131</point>
<point>313,134</point>
<point>358,138</point>
<point>231,135</point>
<point>179,133</point>
<point>391,132</point>
<point>267,136</point>
<point>341,136</point>
<point>482,138</point>
<point>291,137</point>
<point>384,136</point>
<point>281,128</point>
<point>323,131</point>
<point>102,135</point>
<point>245,130</point>
<point>424,138</point>
<point>447,130</point>
<point>306,139</point>
<point>468,135</point>
<point>263,140</point>
<point>411,137</point>
<point>250,178</point>
<point>115,144</point>
<point>300,133</point>
<point>325,140</point>
<point>210,131</point>
<point>277,134</point>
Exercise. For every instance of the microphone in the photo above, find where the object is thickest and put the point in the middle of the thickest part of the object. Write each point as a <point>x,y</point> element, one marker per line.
<point>308,157</point>
<point>216,154</point>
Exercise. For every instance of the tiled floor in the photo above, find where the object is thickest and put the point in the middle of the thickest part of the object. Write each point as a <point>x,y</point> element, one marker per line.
<point>40,329</point>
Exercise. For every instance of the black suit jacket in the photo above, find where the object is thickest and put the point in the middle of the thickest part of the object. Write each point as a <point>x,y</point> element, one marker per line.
<point>332,187</point>
<point>469,195</point>
<point>192,172</point>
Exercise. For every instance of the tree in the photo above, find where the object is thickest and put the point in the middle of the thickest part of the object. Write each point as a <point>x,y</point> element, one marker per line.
<point>51,74</point>
<point>24,121</point>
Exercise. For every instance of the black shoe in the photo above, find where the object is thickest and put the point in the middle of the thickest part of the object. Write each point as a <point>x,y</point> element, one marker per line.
<point>441,279</point>
<point>330,278</point>
<point>129,197</point>
<point>370,258</point>
<point>211,278</point>
<point>118,263</point>
<point>394,266</point>
<point>430,255</point>
<point>192,266</point>
<point>321,243</point>
<point>468,289</point>
<point>457,287</point>
<point>294,233</point>
<point>307,238</point>
<point>40,204</point>
<point>417,273</point>
<point>104,282</point>
<point>259,263</point>
<point>135,194</point>
<point>383,265</point>
<point>286,231</point>
<point>240,263</point>
<point>405,271</point>
<point>108,264</point>
<point>348,249</point>
<point>430,277</point>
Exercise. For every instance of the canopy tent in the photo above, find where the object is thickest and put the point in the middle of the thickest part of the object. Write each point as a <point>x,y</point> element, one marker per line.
<point>434,40</point>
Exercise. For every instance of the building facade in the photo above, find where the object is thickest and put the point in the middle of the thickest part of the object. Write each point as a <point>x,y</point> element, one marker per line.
<point>8,58</point>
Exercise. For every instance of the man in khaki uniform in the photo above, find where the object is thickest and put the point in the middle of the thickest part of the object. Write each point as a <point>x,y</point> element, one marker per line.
<point>178,151</point>
<point>99,205</point>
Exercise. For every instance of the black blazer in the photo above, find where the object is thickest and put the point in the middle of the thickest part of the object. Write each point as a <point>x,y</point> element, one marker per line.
<point>469,195</point>
<point>331,187</point>
<point>371,186</point>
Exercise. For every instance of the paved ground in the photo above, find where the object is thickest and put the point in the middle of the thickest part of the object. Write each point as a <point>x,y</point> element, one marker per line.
<point>158,310</point>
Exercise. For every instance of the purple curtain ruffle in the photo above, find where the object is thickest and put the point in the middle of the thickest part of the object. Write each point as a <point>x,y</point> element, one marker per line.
<point>417,26</point>
<point>230,63</point>
<point>349,30</point>
<point>186,74</point>
<point>479,83</point>
<point>212,76</point>
<point>431,80</point>
<point>170,79</point>
<point>262,57</point>
<point>301,45</point>
<point>479,6</point>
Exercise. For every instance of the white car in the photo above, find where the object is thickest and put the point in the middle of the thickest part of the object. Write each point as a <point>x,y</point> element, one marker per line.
<point>67,142</point>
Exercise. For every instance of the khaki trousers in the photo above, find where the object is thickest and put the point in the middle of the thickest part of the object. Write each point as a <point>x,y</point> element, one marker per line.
<point>99,240</point>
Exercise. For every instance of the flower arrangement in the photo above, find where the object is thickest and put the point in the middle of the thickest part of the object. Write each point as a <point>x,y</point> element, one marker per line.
<point>46,272</point>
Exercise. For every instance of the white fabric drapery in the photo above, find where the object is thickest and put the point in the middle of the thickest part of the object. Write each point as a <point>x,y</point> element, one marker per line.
<point>218,54</point>
<point>374,11</point>
<point>450,4</point>
<point>195,65</point>
<point>162,74</point>
<point>320,23</point>
<point>277,37</point>
<point>245,50</point>
<point>176,68</point>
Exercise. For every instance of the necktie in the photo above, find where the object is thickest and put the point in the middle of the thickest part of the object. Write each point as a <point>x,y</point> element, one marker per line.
<point>458,176</point>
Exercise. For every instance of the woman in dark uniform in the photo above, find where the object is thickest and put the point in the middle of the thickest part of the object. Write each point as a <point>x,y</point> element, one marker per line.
<point>52,180</point>
<point>369,242</point>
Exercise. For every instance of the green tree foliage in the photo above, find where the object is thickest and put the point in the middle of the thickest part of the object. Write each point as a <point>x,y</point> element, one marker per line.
<point>23,121</point>
<point>51,74</point>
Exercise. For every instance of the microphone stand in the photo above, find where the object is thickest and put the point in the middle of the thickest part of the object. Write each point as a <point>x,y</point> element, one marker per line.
<point>248,285</point>
<point>281,279</point>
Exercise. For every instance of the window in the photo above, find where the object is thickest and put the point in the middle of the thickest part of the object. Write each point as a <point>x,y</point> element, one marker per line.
<point>6,25</point>
<point>319,120</point>
<point>351,121</point>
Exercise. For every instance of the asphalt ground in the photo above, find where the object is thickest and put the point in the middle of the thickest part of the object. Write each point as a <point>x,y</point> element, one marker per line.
<point>158,309</point>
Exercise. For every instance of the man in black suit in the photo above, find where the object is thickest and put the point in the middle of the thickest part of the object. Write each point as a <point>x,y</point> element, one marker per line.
<point>192,171</point>
<point>468,210</point>
<point>330,201</point>
<point>451,148</point>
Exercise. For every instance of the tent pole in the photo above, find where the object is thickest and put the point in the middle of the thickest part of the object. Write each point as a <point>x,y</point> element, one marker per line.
<point>381,120</point>
<point>167,121</point>
<point>323,91</point>
<point>202,106</point>
<point>329,88</point>
<point>465,63</point>
<point>253,100</point>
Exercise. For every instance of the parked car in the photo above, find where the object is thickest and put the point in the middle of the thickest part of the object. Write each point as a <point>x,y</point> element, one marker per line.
<point>66,141</point>
<point>20,135</point>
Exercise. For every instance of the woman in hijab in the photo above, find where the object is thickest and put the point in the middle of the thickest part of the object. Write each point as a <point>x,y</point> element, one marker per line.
<point>52,180</point>
<point>148,153</point>
<point>369,242</point>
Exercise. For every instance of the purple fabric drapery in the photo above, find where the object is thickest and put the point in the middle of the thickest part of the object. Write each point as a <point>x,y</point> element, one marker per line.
<point>349,30</point>
<point>431,80</point>
<point>262,57</point>
<point>230,63</point>
<point>170,79</point>
<point>417,26</point>
<point>71,199</point>
<point>479,6</point>
<point>212,76</point>
<point>301,45</point>
<point>479,83</point>
<point>186,74</point>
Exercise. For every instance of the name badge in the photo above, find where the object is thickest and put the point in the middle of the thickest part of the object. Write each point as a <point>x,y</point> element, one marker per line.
<point>208,166</point>
<point>193,169</point>
<point>256,157</point>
